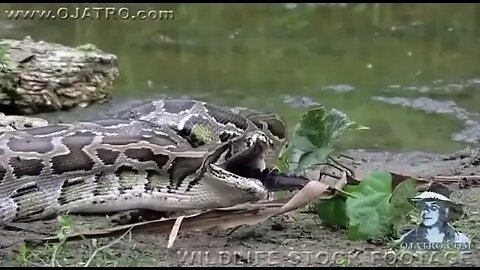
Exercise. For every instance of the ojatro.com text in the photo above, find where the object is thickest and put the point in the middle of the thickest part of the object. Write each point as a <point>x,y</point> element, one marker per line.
<point>89,13</point>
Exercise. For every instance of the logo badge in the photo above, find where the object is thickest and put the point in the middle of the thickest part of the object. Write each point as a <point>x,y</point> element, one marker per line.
<point>434,231</point>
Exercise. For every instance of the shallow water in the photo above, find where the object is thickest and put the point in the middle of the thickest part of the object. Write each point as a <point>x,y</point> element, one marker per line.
<point>410,71</point>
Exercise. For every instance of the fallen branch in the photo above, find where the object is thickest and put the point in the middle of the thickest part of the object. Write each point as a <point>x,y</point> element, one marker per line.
<point>456,178</point>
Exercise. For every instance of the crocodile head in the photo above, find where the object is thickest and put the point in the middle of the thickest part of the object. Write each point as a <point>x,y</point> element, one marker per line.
<point>243,155</point>
<point>273,126</point>
<point>230,167</point>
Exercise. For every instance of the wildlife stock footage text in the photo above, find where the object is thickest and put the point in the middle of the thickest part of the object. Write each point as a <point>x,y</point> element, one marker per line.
<point>312,258</point>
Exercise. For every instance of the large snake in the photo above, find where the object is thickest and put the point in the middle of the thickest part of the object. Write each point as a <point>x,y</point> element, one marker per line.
<point>165,155</point>
<point>203,123</point>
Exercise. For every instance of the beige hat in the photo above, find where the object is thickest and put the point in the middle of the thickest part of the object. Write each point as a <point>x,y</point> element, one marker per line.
<point>455,210</point>
<point>431,196</point>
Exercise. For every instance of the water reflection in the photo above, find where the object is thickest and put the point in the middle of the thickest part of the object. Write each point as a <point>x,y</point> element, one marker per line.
<point>257,54</point>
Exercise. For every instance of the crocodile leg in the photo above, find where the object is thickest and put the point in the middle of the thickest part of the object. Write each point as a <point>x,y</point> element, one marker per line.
<point>275,180</point>
<point>134,216</point>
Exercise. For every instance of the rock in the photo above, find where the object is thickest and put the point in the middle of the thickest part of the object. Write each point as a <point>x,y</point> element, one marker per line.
<point>40,77</point>
<point>17,122</point>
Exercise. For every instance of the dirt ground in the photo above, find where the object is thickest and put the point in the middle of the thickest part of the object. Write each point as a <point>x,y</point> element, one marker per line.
<point>297,239</point>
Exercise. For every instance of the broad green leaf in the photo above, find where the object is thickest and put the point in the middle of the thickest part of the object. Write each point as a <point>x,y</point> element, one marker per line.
<point>317,134</point>
<point>368,212</point>
<point>336,124</point>
<point>365,225</point>
<point>332,211</point>
<point>302,141</point>
<point>309,132</point>
<point>308,159</point>
<point>374,211</point>
<point>400,206</point>
<point>368,215</point>
<point>377,181</point>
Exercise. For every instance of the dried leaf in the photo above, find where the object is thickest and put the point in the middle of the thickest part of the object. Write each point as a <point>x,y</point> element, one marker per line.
<point>174,232</point>
<point>398,178</point>
<point>312,191</point>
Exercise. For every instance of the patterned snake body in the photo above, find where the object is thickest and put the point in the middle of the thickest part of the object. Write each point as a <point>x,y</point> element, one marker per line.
<point>203,123</point>
<point>165,155</point>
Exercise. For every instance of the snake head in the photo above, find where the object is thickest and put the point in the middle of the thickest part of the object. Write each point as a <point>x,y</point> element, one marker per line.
<point>244,154</point>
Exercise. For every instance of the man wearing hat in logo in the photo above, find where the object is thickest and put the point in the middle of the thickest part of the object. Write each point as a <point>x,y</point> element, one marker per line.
<point>434,232</point>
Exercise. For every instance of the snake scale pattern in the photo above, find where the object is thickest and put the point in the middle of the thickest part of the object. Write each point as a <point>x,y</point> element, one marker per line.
<point>164,155</point>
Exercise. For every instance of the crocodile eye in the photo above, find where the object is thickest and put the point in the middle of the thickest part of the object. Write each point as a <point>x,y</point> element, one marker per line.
<point>263,138</point>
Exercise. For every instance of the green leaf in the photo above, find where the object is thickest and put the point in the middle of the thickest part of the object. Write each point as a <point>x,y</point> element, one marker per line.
<point>368,216</point>
<point>377,181</point>
<point>336,124</point>
<point>375,210</point>
<point>332,211</point>
<point>368,212</point>
<point>400,206</point>
<point>308,133</point>
<point>308,159</point>
<point>317,134</point>
<point>282,162</point>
